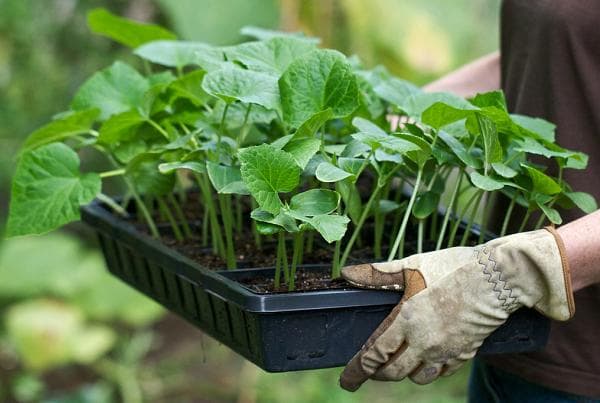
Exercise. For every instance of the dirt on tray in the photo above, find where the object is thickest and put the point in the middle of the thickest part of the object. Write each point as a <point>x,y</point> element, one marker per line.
<point>306,280</point>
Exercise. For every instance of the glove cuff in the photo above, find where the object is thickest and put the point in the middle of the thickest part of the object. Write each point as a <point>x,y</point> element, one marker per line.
<point>566,270</point>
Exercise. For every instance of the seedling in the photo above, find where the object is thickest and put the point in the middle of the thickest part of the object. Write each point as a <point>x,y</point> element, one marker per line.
<point>284,141</point>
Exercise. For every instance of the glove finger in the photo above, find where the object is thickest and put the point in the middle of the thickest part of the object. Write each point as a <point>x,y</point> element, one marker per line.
<point>452,365</point>
<point>383,276</point>
<point>384,343</point>
<point>426,373</point>
<point>399,366</point>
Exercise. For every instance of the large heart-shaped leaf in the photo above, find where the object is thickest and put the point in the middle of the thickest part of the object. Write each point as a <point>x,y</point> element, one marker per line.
<point>124,31</point>
<point>320,80</point>
<point>116,89</point>
<point>267,171</point>
<point>231,83</point>
<point>48,189</point>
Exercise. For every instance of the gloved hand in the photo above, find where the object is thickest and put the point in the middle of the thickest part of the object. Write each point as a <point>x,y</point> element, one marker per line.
<point>453,299</point>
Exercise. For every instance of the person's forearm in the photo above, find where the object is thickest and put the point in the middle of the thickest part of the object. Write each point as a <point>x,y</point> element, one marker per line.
<point>582,246</point>
<point>481,75</point>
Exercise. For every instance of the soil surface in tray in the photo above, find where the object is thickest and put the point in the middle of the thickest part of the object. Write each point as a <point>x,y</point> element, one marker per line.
<point>306,280</point>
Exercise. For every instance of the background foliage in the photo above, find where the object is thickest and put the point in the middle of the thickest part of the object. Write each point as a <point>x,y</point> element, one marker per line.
<point>46,51</point>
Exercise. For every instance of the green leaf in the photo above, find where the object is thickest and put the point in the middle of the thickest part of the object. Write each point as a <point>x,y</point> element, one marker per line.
<point>272,56</point>
<point>314,123</point>
<point>73,124</point>
<point>320,80</point>
<point>327,172</point>
<point>124,31</point>
<point>491,145</point>
<point>485,182</point>
<point>48,190</point>
<point>577,161</point>
<point>189,86</point>
<point>493,98</point>
<point>584,201</point>
<point>459,150</point>
<point>315,202</point>
<point>332,227</point>
<point>425,204</point>
<point>232,83</point>
<point>440,114</point>
<point>169,167</point>
<point>267,172</point>
<point>147,179</point>
<point>225,179</point>
<point>395,90</point>
<point>552,214</point>
<point>423,152</point>
<point>116,89</point>
<point>351,165</point>
<point>351,198</point>
<point>179,54</point>
<point>120,127</point>
<point>504,170</point>
<point>538,127</point>
<point>302,149</point>
<point>416,103</point>
<point>280,220</point>
<point>542,183</point>
<point>263,34</point>
<point>375,137</point>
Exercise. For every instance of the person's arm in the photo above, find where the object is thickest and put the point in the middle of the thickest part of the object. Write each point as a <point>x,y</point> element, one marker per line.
<point>582,248</point>
<point>480,75</point>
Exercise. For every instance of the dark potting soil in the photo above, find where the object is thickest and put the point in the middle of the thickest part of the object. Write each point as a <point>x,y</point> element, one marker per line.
<point>306,280</point>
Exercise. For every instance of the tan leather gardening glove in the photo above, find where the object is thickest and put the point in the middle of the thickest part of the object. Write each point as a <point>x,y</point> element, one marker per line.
<point>453,299</point>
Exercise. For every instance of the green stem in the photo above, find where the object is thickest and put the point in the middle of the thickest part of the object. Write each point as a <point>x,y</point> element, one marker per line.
<point>310,241</point>
<point>180,216</point>
<point>238,214</point>
<point>298,239</point>
<point>397,199</point>
<point>144,210</point>
<point>257,236</point>
<point>225,205</point>
<point>421,230</point>
<point>459,219</point>
<point>112,204</point>
<point>205,226</point>
<point>245,128</point>
<point>467,232</point>
<point>217,238</point>
<point>160,129</point>
<point>359,224</point>
<point>169,216</point>
<point>508,215</point>
<point>525,219</point>
<point>400,237</point>
<point>484,217</point>
<point>284,259</point>
<point>222,127</point>
<point>453,198</point>
<point>114,172</point>
<point>278,261</point>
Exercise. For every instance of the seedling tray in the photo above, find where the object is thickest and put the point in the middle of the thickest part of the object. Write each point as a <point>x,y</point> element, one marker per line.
<point>278,332</point>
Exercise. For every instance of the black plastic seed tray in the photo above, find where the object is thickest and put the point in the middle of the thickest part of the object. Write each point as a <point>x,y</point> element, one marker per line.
<point>277,332</point>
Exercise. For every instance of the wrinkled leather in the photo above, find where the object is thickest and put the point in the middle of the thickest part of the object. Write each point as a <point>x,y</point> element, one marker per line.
<point>453,299</point>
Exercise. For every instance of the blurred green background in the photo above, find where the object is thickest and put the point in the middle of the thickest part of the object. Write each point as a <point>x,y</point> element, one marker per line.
<point>71,333</point>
